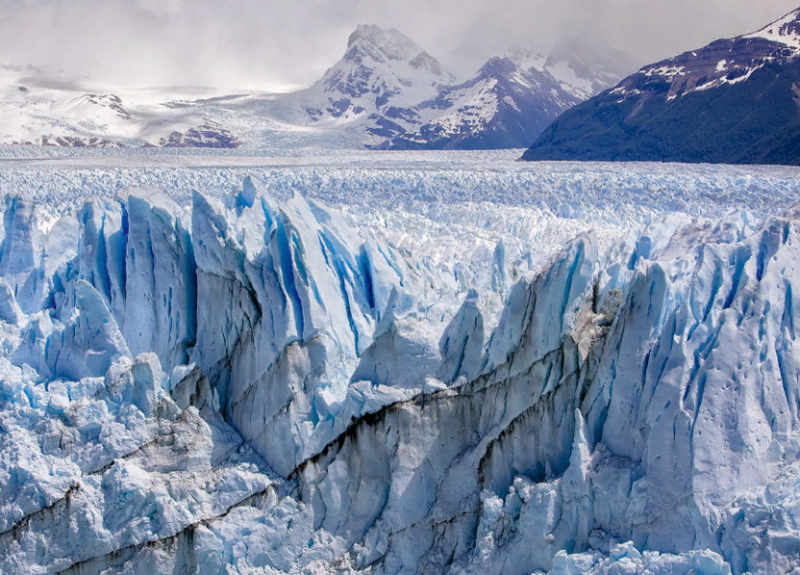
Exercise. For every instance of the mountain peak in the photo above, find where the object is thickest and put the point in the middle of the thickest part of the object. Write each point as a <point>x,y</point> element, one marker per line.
<point>498,66</point>
<point>591,56</point>
<point>391,44</point>
<point>364,32</point>
<point>527,57</point>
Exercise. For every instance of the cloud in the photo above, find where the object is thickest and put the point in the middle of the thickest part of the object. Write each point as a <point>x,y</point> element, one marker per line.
<point>263,43</point>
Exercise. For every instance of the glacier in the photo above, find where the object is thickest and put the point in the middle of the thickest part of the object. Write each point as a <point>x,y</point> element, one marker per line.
<point>398,368</point>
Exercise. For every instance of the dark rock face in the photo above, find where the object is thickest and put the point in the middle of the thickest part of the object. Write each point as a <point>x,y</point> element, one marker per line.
<point>72,142</point>
<point>733,101</point>
<point>210,135</point>
<point>111,101</point>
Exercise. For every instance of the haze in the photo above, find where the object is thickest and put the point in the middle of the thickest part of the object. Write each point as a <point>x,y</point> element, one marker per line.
<point>270,44</point>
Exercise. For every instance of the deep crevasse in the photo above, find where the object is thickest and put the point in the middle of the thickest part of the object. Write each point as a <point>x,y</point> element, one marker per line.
<point>254,387</point>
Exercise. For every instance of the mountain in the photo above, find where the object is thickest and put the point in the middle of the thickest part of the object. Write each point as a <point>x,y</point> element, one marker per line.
<point>382,73</point>
<point>45,107</point>
<point>734,101</point>
<point>583,67</point>
<point>385,92</point>
<point>503,106</point>
<point>390,93</point>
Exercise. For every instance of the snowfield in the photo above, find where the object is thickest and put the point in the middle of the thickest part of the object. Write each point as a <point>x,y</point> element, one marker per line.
<point>449,362</point>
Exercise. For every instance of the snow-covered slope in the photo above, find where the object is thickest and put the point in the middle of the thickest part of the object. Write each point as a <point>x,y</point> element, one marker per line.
<point>382,72</point>
<point>248,385</point>
<point>724,62</point>
<point>397,96</point>
<point>44,107</point>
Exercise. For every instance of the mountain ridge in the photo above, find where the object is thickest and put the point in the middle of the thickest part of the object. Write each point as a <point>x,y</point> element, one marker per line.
<point>498,108</point>
<point>731,101</point>
<point>385,92</point>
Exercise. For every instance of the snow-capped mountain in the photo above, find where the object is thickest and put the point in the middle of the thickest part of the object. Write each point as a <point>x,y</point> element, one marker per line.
<point>587,68</point>
<point>388,93</point>
<point>732,101</point>
<point>397,94</point>
<point>246,385</point>
<point>583,68</point>
<point>45,107</point>
<point>385,92</point>
<point>382,72</point>
<point>503,106</point>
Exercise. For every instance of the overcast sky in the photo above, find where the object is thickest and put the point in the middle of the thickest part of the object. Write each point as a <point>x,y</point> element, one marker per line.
<point>271,43</point>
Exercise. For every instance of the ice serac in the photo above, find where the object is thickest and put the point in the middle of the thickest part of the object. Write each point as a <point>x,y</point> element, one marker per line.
<point>299,297</point>
<point>89,340</point>
<point>433,448</point>
<point>624,437</point>
<point>103,251</point>
<point>22,252</point>
<point>462,344</point>
<point>160,291</point>
<point>10,311</point>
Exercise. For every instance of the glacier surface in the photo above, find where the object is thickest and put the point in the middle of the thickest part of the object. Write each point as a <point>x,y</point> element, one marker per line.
<point>409,363</point>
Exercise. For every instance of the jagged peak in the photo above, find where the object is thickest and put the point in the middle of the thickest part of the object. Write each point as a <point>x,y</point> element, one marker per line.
<point>391,43</point>
<point>528,56</point>
<point>498,66</point>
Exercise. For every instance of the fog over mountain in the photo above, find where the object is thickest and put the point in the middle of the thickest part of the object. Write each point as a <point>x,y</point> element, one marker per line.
<point>271,44</point>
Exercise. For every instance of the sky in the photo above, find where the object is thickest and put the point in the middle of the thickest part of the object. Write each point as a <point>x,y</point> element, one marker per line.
<point>278,44</point>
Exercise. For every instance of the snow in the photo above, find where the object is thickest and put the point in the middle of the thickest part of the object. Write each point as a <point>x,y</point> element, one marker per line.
<point>723,80</point>
<point>473,108</point>
<point>565,74</point>
<point>397,363</point>
<point>781,31</point>
<point>582,69</point>
<point>667,71</point>
<point>743,56</point>
<point>381,69</point>
<point>527,58</point>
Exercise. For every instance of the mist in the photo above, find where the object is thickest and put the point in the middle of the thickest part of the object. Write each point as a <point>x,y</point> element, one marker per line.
<point>268,44</point>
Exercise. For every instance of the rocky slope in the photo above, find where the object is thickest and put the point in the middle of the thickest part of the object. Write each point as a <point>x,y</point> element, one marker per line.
<point>733,101</point>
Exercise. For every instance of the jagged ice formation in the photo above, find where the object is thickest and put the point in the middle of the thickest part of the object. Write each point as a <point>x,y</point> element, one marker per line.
<point>249,386</point>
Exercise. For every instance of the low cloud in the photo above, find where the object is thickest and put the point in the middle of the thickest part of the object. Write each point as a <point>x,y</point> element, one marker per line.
<point>267,43</point>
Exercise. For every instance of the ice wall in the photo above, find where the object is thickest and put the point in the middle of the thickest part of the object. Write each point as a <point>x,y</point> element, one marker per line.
<point>253,387</point>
